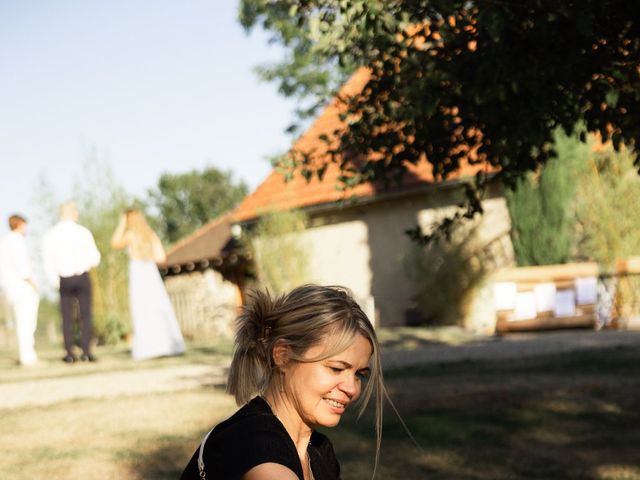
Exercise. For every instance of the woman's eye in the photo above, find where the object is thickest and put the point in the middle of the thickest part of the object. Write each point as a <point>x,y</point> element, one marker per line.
<point>362,375</point>
<point>336,369</point>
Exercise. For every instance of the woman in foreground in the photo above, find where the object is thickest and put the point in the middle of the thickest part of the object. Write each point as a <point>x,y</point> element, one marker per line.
<point>299,362</point>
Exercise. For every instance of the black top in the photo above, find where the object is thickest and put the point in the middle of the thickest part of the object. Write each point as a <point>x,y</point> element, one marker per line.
<point>252,436</point>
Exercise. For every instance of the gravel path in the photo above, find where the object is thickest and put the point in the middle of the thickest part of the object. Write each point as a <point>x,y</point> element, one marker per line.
<point>46,391</point>
<point>111,384</point>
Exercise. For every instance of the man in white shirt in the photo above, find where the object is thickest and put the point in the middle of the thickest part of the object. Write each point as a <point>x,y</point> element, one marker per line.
<point>69,253</point>
<point>16,279</point>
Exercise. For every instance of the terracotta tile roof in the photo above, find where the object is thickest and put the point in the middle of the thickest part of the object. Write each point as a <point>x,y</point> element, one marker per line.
<point>274,193</point>
<point>209,242</point>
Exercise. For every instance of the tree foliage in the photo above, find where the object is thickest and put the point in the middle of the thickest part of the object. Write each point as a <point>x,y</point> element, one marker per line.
<point>306,73</point>
<point>607,209</point>
<point>445,276</point>
<point>280,252</point>
<point>581,206</point>
<point>457,80</point>
<point>100,200</point>
<point>608,221</point>
<point>542,206</point>
<point>187,201</point>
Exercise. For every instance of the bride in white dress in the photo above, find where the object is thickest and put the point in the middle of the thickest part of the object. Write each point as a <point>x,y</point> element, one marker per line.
<point>155,328</point>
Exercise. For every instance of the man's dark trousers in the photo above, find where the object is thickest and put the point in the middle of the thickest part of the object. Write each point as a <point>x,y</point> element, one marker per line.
<point>76,289</point>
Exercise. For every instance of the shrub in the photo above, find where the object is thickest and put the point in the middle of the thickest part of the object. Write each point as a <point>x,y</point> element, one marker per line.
<point>607,209</point>
<point>445,275</point>
<point>100,201</point>
<point>542,206</point>
<point>280,254</point>
<point>607,219</point>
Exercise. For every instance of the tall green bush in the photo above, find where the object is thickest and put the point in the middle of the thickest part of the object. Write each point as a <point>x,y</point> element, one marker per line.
<point>607,209</point>
<point>608,223</point>
<point>542,207</point>
<point>100,201</point>
<point>445,275</point>
<point>280,253</point>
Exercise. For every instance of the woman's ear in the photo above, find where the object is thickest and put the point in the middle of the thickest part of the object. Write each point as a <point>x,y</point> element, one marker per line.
<point>280,353</point>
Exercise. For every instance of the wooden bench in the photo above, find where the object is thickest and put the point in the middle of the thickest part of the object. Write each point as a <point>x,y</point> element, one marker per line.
<point>546,297</point>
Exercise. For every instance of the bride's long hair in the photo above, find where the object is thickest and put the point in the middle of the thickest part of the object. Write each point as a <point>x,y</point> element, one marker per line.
<point>143,237</point>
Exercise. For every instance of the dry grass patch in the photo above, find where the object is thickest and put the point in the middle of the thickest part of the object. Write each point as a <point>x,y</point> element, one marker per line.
<point>570,416</point>
<point>147,437</point>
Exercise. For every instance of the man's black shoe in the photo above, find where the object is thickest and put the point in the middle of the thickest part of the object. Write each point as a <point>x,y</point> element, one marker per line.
<point>69,359</point>
<point>88,358</point>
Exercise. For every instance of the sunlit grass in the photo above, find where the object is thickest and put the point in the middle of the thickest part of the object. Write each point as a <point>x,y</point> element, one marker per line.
<point>570,416</point>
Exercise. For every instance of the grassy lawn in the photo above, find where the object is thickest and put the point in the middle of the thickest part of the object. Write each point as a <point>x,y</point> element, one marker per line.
<point>570,416</point>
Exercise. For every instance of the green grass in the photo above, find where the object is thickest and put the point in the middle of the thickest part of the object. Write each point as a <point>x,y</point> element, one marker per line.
<point>569,416</point>
<point>556,417</point>
<point>409,338</point>
<point>110,358</point>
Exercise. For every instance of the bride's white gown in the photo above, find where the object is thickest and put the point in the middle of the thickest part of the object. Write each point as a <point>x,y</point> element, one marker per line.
<point>156,332</point>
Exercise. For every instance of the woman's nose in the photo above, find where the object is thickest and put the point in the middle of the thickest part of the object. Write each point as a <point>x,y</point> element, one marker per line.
<point>350,386</point>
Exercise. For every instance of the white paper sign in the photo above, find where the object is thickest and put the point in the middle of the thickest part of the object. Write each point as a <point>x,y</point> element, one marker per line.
<point>504,295</point>
<point>586,290</point>
<point>565,303</point>
<point>525,306</point>
<point>545,296</point>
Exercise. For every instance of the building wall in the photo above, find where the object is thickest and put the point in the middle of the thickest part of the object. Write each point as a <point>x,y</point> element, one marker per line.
<point>365,248</point>
<point>340,255</point>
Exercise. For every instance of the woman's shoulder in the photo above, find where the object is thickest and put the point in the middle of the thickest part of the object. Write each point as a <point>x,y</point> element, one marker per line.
<point>254,418</point>
<point>250,437</point>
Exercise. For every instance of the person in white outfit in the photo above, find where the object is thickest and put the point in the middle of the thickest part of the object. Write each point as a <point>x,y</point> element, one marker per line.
<point>69,253</point>
<point>156,332</point>
<point>16,279</point>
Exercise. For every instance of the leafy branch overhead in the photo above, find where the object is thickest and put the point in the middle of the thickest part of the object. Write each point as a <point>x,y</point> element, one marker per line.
<point>455,82</point>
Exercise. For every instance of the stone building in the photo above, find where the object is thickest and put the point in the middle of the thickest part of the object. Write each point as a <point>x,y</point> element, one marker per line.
<point>203,275</point>
<point>357,237</point>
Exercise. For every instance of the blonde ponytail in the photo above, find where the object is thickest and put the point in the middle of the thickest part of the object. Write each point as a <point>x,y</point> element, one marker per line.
<point>251,367</point>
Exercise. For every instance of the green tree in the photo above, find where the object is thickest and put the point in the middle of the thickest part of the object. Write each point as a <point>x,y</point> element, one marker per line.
<point>186,201</point>
<point>306,73</point>
<point>454,80</point>
<point>280,254</point>
<point>608,205</point>
<point>608,221</point>
<point>542,206</point>
<point>100,201</point>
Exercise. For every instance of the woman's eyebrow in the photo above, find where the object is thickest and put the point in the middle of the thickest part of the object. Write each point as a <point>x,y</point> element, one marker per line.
<point>342,362</point>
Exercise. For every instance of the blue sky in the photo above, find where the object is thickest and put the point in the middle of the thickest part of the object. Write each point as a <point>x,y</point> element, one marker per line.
<point>152,85</point>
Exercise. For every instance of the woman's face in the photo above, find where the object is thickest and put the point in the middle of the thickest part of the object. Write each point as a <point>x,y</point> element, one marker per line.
<point>321,391</point>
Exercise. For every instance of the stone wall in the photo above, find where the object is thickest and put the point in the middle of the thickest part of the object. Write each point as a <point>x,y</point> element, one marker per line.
<point>204,302</point>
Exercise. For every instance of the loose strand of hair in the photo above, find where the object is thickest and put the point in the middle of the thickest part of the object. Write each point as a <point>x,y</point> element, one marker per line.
<point>402,422</point>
